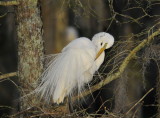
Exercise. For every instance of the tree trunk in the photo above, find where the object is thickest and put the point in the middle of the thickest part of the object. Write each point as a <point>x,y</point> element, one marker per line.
<point>30,46</point>
<point>55,22</point>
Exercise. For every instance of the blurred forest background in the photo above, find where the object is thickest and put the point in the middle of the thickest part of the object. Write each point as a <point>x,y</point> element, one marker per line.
<point>129,21</point>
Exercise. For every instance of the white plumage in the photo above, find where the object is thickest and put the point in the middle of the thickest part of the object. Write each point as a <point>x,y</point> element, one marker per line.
<point>73,67</point>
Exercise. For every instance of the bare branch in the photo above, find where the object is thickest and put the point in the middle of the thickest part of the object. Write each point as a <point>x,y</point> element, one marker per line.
<point>8,3</point>
<point>8,75</point>
<point>3,15</point>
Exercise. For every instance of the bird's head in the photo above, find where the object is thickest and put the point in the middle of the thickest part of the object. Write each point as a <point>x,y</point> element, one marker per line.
<point>102,41</point>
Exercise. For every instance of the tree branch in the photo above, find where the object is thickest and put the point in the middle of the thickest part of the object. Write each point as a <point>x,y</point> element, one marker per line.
<point>122,67</point>
<point>8,75</point>
<point>8,3</point>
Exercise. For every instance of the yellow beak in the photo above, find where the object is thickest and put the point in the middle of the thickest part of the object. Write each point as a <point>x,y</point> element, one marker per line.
<point>101,50</point>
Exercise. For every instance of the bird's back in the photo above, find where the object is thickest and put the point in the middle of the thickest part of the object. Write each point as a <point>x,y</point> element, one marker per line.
<point>80,43</point>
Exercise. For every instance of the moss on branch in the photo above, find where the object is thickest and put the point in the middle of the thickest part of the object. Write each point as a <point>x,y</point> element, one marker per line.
<point>9,3</point>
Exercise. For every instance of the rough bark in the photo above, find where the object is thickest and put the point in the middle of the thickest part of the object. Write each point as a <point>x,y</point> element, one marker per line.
<point>30,46</point>
<point>30,51</point>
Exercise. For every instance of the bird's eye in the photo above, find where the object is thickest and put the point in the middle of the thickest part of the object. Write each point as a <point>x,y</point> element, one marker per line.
<point>101,43</point>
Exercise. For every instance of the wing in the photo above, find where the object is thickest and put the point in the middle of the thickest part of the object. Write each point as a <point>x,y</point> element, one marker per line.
<point>70,69</point>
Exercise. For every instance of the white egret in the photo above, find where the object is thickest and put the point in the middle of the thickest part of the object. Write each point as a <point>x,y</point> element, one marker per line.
<point>73,67</point>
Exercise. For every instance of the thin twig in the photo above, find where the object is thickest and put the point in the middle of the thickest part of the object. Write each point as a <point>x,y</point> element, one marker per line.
<point>9,3</point>
<point>8,75</point>
<point>139,101</point>
<point>3,15</point>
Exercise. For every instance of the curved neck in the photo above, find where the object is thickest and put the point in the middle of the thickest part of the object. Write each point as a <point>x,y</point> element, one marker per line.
<point>100,60</point>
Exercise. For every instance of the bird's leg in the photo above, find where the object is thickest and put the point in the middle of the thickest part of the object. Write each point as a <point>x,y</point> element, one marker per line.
<point>70,104</point>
